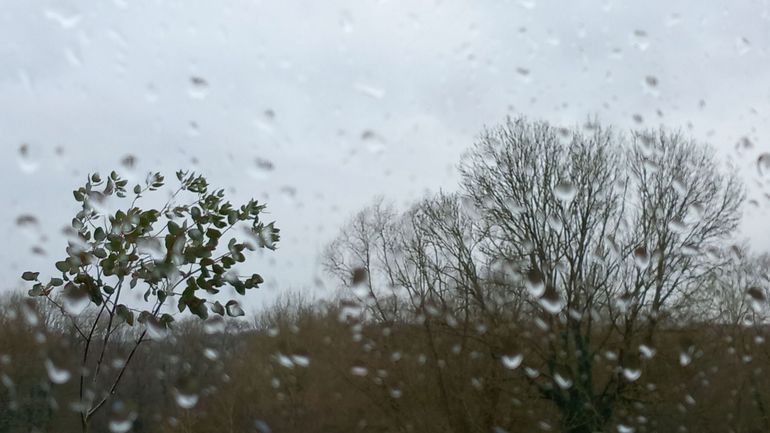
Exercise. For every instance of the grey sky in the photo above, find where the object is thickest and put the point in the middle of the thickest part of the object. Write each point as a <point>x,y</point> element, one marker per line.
<point>348,99</point>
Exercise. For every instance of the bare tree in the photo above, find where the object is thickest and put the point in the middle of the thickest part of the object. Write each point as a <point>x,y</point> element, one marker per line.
<point>612,236</point>
<point>584,240</point>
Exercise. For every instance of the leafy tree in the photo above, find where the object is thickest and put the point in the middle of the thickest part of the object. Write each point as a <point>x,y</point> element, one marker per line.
<point>174,253</point>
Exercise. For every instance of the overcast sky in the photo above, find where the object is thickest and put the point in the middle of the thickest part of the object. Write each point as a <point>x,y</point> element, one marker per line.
<point>347,99</point>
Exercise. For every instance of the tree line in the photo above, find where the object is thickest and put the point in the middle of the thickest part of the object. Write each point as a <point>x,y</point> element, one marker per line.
<point>579,280</point>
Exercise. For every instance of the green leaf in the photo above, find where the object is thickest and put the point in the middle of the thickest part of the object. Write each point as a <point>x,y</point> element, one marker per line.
<point>30,276</point>
<point>173,228</point>
<point>37,290</point>
<point>63,266</point>
<point>56,282</point>
<point>198,307</point>
<point>124,313</point>
<point>99,234</point>
<point>144,316</point>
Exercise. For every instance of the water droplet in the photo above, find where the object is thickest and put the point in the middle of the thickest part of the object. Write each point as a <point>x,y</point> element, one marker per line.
<point>564,191</point>
<point>234,309</point>
<point>763,164</point>
<point>262,427</point>
<point>640,40</point>
<point>186,392</point>
<point>641,257</point>
<point>524,74</point>
<point>622,428</point>
<point>284,360</point>
<point>151,93</point>
<point>742,45</point>
<point>156,329</point>
<point>673,20</point>
<point>651,81</point>
<point>359,371</point>
<point>75,299</point>
<point>193,129</point>
<point>289,193</point>
<point>65,21</point>
<point>685,358</point>
<point>120,425</point>
<point>375,144</point>
<point>650,84</point>
<point>26,220</point>
<point>744,143</point>
<point>512,362</point>
<point>527,4</point>
<point>346,22</point>
<point>757,298</point>
<point>300,360</point>
<point>26,164</point>
<point>261,168</point>
<point>551,301</point>
<point>199,87</point>
<point>565,136</point>
<point>55,374</point>
<point>535,283</point>
<point>128,161</point>
<point>210,354</point>
<point>632,374</point>
<point>185,401</point>
<point>369,90</point>
<point>360,276</point>
<point>562,381</point>
<point>122,418</point>
<point>151,246</point>
<point>30,226</point>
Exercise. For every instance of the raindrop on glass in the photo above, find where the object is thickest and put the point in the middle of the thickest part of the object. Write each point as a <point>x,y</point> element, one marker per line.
<point>346,22</point>
<point>185,401</point>
<point>26,163</point>
<point>641,257</point>
<point>55,374</point>
<point>564,191</point>
<point>763,164</point>
<point>369,90</point>
<point>742,45</point>
<point>512,362</point>
<point>561,381</point>
<point>156,329</point>
<point>640,40</point>
<point>632,374</point>
<point>199,87</point>
<point>757,298</point>
<point>535,283</point>
<point>75,299</point>
<point>234,309</point>
<point>300,360</point>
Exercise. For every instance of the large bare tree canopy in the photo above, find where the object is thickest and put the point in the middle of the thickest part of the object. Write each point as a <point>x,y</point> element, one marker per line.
<point>568,247</point>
